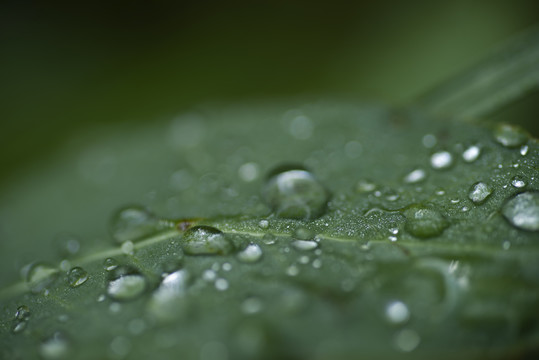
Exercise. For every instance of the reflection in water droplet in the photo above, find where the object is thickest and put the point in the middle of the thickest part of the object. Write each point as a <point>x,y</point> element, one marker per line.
<point>518,182</point>
<point>415,176</point>
<point>126,284</point>
<point>510,135</point>
<point>295,193</point>
<point>19,326</point>
<point>174,285</point>
<point>471,154</point>
<point>131,223</point>
<point>406,340</point>
<point>441,160</point>
<point>522,211</point>
<point>55,347</point>
<point>206,240</point>
<point>252,253</point>
<point>304,245</point>
<point>40,276</point>
<point>397,312</point>
<point>23,313</point>
<point>365,186</point>
<point>479,192</point>
<point>424,222</point>
<point>110,264</point>
<point>76,277</point>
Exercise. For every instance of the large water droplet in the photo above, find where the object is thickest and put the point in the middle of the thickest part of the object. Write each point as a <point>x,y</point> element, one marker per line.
<point>522,211</point>
<point>479,192</point>
<point>510,135</point>
<point>471,154</point>
<point>295,193</point>
<point>441,160</point>
<point>424,222</point>
<point>40,276</point>
<point>55,347</point>
<point>76,277</point>
<point>132,223</point>
<point>206,240</point>
<point>252,253</point>
<point>126,284</point>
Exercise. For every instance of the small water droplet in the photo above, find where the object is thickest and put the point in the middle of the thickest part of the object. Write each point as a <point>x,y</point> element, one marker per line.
<point>441,160</point>
<point>248,172</point>
<point>251,305</point>
<point>252,253</point>
<point>429,141</point>
<point>128,248</point>
<point>110,264</point>
<point>268,239</point>
<point>19,326</point>
<point>471,154</point>
<point>209,275</point>
<point>510,135</point>
<point>406,340</point>
<point>206,240</point>
<point>479,192</point>
<point>364,186</point>
<point>263,224</point>
<point>132,223</point>
<point>415,176</point>
<point>424,222</point>
<point>55,347</point>
<point>126,284</point>
<point>301,127</point>
<point>295,193</point>
<point>226,266</point>
<point>506,245</point>
<point>524,150</point>
<point>304,245</point>
<point>40,276</point>
<point>522,211</point>
<point>76,277</point>
<point>518,182</point>
<point>440,192</point>
<point>292,270</point>
<point>397,312</point>
<point>221,284</point>
<point>304,259</point>
<point>302,233</point>
<point>317,263</point>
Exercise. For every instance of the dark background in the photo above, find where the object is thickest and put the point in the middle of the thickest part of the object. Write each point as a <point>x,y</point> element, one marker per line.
<point>69,66</point>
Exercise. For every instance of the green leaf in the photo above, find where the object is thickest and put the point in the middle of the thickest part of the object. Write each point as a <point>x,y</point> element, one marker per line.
<point>389,234</point>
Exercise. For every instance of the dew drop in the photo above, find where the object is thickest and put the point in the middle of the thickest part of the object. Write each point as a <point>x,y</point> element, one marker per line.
<point>415,176</point>
<point>441,160</point>
<point>19,326</point>
<point>304,245</point>
<point>252,253</point>
<point>407,340</point>
<point>263,224</point>
<point>295,193</point>
<point>128,248</point>
<point>221,284</point>
<point>55,347</point>
<point>479,192</point>
<point>132,223</point>
<point>518,182</point>
<point>522,211</point>
<point>76,277</point>
<point>424,222</point>
<point>40,276</point>
<point>471,154</point>
<point>251,305</point>
<point>248,172</point>
<point>174,285</point>
<point>397,312</point>
<point>23,313</point>
<point>292,270</point>
<point>509,135</point>
<point>206,240</point>
<point>524,150</point>
<point>364,186</point>
<point>126,284</point>
<point>429,141</point>
<point>110,264</point>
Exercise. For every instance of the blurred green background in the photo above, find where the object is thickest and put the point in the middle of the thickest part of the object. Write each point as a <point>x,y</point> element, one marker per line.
<point>66,67</point>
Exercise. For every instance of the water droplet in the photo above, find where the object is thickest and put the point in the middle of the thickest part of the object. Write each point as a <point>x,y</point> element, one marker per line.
<point>506,245</point>
<point>304,245</point>
<point>221,284</point>
<point>19,326</point>
<point>128,248</point>
<point>172,286</point>
<point>317,263</point>
<point>518,182</point>
<point>510,135</point>
<point>397,312</point>
<point>407,340</point>
<point>268,239</point>
<point>248,172</point>
<point>522,211</point>
<point>23,313</point>
<point>302,233</point>
<point>251,305</point>
<point>209,275</point>
<point>68,244</point>
<point>441,160</point>
<point>424,222</point>
<point>55,347</point>
<point>429,141</point>
<point>479,192</point>
<point>132,223</point>
<point>471,154</point>
<point>226,266</point>
<point>263,224</point>
<point>252,253</point>
<point>364,186</point>
<point>126,284</point>
<point>206,240</point>
<point>524,150</point>
<point>76,277</point>
<point>415,176</point>
<point>301,127</point>
<point>110,264</point>
<point>295,193</point>
<point>292,270</point>
<point>40,276</point>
